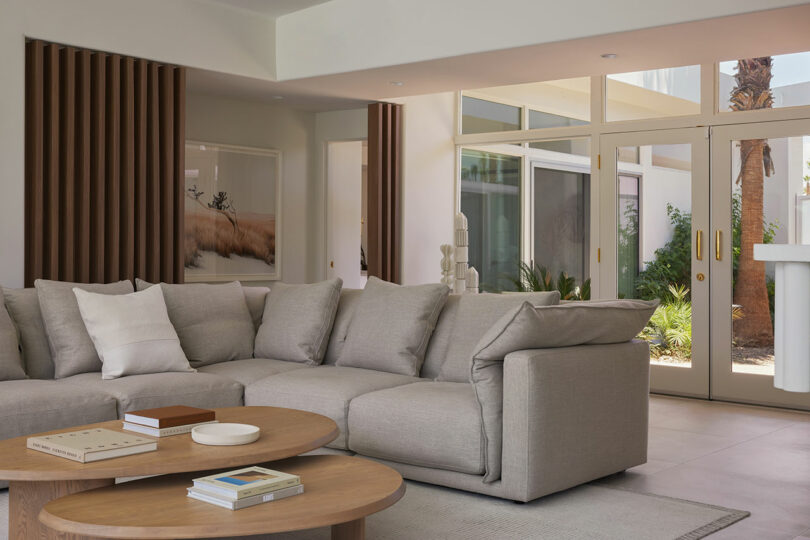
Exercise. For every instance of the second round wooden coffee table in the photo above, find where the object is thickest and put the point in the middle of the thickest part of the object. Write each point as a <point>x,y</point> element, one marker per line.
<point>36,478</point>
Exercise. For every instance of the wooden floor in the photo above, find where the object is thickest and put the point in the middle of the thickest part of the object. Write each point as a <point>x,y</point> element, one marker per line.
<point>749,458</point>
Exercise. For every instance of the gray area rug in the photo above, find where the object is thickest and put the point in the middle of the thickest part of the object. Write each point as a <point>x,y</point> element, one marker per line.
<point>586,512</point>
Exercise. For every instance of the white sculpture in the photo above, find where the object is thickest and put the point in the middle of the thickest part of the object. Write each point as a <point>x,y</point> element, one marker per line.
<point>462,242</point>
<point>447,265</point>
<point>472,280</point>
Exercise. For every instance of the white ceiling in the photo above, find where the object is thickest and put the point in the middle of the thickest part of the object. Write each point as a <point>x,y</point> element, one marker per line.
<point>272,8</point>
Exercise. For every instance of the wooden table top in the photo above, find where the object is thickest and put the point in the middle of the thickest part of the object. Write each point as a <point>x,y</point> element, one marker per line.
<point>337,489</point>
<point>284,433</point>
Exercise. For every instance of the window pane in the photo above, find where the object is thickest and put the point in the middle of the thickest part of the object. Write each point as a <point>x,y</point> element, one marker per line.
<point>576,147</point>
<point>654,93</point>
<point>539,119</point>
<point>481,116</point>
<point>627,246</point>
<point>490,198</point>
<point>789,85</point>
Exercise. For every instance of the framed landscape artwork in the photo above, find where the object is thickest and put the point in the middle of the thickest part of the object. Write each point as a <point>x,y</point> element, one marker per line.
<point>232,213</point>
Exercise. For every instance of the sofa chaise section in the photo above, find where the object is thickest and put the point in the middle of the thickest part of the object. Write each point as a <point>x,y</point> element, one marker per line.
<point>325,390</point>
<point>160,390</point>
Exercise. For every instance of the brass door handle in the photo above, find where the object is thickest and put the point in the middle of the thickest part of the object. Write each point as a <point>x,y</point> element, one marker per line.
<point>699,245</point>
<point>718,240</point>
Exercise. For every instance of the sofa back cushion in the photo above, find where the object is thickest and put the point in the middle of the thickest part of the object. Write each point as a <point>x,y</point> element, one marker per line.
<point>349,298</point>
<point>297,321</point>
<point>213,321</point>
<point>11,364</point>
<point>476,313</point>
<point>392,325</point>
<point>72,349</point>
<point>439,342</point>
<point>23,306</point>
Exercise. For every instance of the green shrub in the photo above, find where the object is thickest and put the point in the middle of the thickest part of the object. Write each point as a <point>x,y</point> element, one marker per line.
<point>669,331</point>
<point>538,278</point>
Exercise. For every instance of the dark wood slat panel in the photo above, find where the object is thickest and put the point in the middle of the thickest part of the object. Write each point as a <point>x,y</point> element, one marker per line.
<point>153,175</point>
<point>34,150</point>
<point>98,148</point>
<point>127,136</point>
<point>396,192</point>
<point>166,173</point>
<point>140,201</point>
<point>179,176</point>
<point>83,167</point>
<point>67,184</point>
<point>51,163</point>
<point>112,233</point>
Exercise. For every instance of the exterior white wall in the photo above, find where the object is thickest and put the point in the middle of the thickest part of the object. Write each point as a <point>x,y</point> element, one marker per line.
<point>221,120</point>
<point>314,41</point>
<point>187,32</point>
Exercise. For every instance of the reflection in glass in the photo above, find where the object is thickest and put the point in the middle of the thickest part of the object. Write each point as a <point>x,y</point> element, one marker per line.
<point>490,198</point>
<point>481,116</point>
<point>654,93</point>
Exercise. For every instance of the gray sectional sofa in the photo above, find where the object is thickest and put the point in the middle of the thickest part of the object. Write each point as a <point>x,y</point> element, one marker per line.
<point>569,414</point>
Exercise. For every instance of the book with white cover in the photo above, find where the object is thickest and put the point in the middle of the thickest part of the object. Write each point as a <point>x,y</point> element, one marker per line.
<point>245,482</point>
<point>253,500</point>
<point>163,432</point>
<point>89,445</point>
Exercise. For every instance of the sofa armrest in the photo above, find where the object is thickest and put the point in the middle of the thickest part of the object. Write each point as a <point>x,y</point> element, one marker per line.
<point>573,414</point>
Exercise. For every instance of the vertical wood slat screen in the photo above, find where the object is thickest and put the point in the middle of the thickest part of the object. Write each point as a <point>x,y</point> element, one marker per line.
<point>104,166</point>
<point>384,179</point>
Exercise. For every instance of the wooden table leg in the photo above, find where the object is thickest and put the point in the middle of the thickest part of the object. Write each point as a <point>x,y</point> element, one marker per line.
<point>351,530</point>
<point>26,499</point>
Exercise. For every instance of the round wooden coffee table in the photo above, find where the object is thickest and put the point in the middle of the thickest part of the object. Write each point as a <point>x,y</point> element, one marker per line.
<point>339,491</point>
<point>36,478</point>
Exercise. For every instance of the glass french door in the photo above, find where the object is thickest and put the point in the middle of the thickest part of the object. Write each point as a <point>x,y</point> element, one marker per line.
<point>654,217</point>
<point>760,194</point>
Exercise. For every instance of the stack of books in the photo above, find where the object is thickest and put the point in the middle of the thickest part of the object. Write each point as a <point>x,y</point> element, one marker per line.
<point>245,487</point>
<point>90,445</point>
<point>165,421</point>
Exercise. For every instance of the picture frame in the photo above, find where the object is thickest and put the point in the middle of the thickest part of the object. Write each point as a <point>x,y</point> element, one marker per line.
<point>232,220</point>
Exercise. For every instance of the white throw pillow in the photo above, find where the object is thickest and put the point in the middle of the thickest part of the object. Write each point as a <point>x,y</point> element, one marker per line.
<point>132,333</point>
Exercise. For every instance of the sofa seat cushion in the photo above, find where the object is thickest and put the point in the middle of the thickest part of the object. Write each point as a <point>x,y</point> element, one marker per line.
<point>250,369</point>
<point>161,390</point>
<point>32,406</point>
<point>429,424</point>
<point>325,390</point>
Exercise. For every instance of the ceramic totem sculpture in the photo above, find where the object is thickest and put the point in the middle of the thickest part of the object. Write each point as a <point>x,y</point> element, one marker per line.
<point>472,280</point>
<point>447,265</point>
<point>462,242</point>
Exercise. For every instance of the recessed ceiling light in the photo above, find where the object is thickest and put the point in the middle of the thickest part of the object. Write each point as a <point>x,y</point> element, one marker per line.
<point>396,83</point>
<point>277,97</point>
<point>609,55</point>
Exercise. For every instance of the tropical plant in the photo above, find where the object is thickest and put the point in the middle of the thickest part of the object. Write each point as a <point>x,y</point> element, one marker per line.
<point>539,278</point>
<point>752,91</point>
<point>669,331</point>
<point>673,262</point>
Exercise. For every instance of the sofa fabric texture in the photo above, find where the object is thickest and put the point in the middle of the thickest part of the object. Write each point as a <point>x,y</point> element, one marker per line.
<point>132,333</point>
<point>23,307</point>
<point>529,327</point>
<point>249,370</point>
<point>255,297</point>
<point>72,349</point>
<point>326,390</point>
<point>430,424</point>
<point>349,299</point>
<point>212,321</point>
<point>475,315</point>
<point>161,390</point>
<point>297,321</point>
<point>392,325</point>
<point>11,363</point>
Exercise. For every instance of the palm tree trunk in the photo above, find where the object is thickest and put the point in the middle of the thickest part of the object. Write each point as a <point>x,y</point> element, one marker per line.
<point>750,291</point>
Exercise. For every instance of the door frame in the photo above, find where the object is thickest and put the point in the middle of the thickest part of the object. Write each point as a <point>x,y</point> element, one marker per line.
<point>665,379</point>
<point>725,384</point>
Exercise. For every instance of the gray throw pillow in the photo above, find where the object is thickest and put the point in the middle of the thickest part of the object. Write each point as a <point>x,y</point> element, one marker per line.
<point>72,349</point>
<point>297,321</point>
<point>11,365</point>
<point>528,327</point>
<point>212,321</point>
<point>23,306</point>
<point>475,315</point>
<point>392,325</point>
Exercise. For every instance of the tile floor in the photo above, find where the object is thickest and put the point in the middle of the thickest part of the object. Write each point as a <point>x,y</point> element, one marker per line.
<point>738,456</point>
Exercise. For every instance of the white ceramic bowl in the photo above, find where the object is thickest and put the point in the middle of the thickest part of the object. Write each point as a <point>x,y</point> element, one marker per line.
<point>225,434</point>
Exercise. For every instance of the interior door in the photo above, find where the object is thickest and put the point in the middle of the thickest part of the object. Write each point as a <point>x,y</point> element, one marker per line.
<point>654,216</point>
<point>759,194</point>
